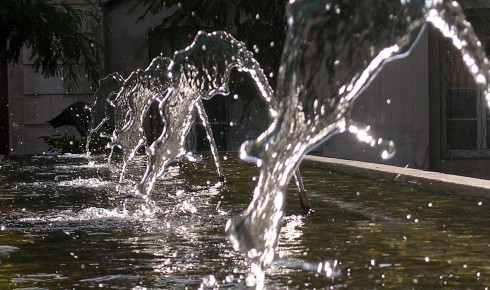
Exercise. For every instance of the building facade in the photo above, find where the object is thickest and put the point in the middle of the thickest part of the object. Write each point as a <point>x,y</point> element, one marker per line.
<point>430,106</point>
<point>28,101</point>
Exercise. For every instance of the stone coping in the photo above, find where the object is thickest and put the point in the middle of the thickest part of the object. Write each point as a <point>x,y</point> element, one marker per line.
<point>428,179</point>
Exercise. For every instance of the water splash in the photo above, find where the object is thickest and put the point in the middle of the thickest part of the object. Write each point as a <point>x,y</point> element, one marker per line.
<point>101,110</point>
<point>198,72</point>
<point>333,50</point>
<point>140,90</point>
<point>178,85</point>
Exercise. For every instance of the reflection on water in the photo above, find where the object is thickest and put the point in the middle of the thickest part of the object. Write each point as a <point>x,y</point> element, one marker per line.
<point>67,224</point>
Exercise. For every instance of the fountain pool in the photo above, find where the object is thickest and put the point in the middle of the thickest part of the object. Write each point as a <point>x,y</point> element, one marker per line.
<point>66,222</point>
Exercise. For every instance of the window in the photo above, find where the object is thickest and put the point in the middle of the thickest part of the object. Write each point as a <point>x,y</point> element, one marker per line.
<point>465,115</point>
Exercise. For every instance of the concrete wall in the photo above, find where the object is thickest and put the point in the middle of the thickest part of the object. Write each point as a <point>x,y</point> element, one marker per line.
<point>33,101</point>
<point>396,105</point>
<point>126,40</point>
<point>4,122</point>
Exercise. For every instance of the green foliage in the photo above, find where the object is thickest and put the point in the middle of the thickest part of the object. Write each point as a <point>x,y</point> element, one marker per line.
<point>62,39</point>
<point>76,145</point>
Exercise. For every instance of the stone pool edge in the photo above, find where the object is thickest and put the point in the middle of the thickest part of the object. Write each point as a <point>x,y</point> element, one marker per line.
<point>431,180</point>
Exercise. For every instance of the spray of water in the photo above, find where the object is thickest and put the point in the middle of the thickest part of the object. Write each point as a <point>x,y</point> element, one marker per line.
<point>179,85</point>
<point>198,72</point>
<point>333,50</point>
<point>132,103</point>
<point>101,109</point>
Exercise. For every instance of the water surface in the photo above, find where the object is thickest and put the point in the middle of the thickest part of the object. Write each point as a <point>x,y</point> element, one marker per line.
<point>66,222</point>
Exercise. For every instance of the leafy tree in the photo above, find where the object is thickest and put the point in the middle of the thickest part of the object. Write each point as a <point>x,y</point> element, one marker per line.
<point>62,39</point>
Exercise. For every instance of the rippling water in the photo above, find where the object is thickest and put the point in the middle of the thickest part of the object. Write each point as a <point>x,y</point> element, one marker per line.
<point>66,222</point>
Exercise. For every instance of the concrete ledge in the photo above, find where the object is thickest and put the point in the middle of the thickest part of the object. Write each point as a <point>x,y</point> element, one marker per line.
<point>428,179</point>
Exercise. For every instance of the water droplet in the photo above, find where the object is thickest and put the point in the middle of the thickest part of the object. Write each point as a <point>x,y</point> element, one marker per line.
<point>209,281</point>
<point>259,162</point>
<point>385,154</point>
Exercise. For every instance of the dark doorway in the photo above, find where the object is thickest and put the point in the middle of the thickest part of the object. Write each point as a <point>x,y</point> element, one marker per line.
<point>4,112</point>
<point>217,116</point>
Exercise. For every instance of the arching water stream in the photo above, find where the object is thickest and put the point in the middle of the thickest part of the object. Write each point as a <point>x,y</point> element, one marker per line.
<point>333,50</point>
<point>179,85</point>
